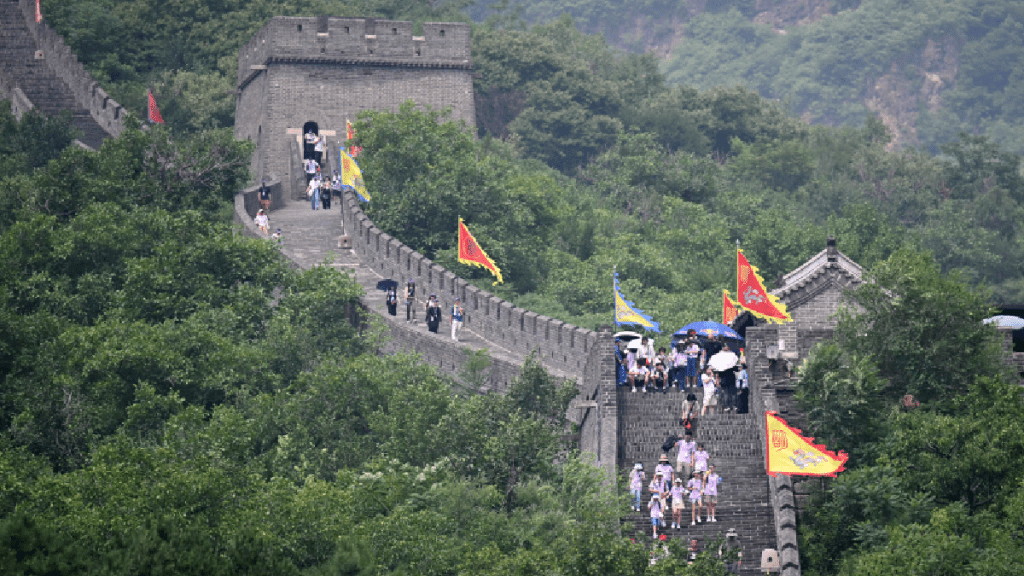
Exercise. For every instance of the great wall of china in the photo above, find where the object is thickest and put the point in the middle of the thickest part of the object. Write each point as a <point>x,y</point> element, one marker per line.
<point>386,64</point>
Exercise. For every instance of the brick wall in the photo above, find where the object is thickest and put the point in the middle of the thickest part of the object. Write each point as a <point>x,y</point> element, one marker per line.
<point>59,58</point>
<point>564,349</point>
<point>327,70</point>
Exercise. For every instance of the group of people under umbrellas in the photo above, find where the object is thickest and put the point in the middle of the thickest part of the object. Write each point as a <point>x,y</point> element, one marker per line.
<point>691,364</point>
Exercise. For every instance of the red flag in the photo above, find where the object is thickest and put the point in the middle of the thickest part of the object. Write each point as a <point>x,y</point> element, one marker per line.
<point>472,254</point>
<point>350,133</point>
<point>729,312</point>
<point>752,295</point>
<point>154,112</point>
<point>39,13</point>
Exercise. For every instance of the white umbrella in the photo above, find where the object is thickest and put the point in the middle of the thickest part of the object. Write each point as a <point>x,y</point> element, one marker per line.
<point>723,361</point>
<point>1005,322</point>
<point>626,336</point>
<point>633,344</point>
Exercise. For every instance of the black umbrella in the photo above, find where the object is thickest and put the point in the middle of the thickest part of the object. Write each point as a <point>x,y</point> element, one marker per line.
<point>386,284</point>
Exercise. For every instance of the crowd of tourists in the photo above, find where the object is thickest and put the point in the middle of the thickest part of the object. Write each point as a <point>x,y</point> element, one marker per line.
<point>693,484</point>
<point>687,369</point>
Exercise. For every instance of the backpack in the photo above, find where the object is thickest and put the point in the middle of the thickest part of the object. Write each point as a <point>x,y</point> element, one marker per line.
<point>670,443</point>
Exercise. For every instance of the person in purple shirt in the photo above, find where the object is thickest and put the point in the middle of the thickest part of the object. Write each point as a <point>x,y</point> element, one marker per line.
<point>636,484</point>
<point>711,482</point>
<point>678,503</point>
<point>695,486</point>
<point>657,513</point>
<point>664,468</point>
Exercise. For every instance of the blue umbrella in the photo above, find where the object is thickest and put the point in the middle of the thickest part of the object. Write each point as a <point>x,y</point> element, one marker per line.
<point>709,328</point>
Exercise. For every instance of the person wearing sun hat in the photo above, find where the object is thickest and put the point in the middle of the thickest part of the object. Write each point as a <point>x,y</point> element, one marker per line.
<point>657,512</point>
<point>678,502</point>
<point>636,484</point>
<point>665,468</point>
<point>658,485</point>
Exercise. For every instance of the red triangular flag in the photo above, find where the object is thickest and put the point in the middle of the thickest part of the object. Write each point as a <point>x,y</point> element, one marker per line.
<point>472,254</point>
<point>154,112</point>
<point>350,134</point>
<point>729,312</point>
<point>752,295</point>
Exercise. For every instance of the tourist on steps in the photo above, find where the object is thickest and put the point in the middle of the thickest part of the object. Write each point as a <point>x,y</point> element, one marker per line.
<point>391,299</point>
<point>262,222</point>
<point>664,468</point>
<point>264,195</point>
<point>657,513</point>
<point>410,300</point>
<point>457,314</point>
<point>311,167</point>
<point>710,383</point>
<point>678,503</point>
<point>636,484</point>
<point>711,482</point>
<point>433,313</point>
<point>684,458</point>
<point>692,351</point>
<point>694,486</point>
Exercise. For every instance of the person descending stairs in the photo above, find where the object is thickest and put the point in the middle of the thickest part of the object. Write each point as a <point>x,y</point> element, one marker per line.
<point>734,449</point>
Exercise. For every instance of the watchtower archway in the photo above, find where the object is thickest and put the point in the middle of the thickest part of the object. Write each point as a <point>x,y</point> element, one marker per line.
<point>308,150</point>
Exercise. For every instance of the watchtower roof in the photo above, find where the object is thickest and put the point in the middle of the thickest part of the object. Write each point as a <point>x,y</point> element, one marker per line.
<point>819,264</point>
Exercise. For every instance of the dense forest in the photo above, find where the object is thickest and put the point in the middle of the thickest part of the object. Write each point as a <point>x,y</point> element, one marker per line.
<point>176,400</point>
<point>930,69</point>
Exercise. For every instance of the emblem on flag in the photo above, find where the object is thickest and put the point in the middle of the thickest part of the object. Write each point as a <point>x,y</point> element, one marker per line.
<point>627,313</point>
<point>753,296</point>
<point>729,311</point>
<point>791,454</point>
<point>471,254</point>
<point>154,112</point>
<point>351,176</point>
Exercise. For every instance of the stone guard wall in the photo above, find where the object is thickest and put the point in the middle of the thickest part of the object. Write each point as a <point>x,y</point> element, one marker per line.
<point>583,356</point>
<point>59,58</point>
<point>566,351</point>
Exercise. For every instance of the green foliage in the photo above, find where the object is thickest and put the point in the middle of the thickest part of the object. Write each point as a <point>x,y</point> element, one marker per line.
<point>933,481</point>
<point>928,325</point>
<point>33,141</point>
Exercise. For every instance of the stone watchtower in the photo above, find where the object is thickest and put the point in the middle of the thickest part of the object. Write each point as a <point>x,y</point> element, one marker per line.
<point>301,74</point>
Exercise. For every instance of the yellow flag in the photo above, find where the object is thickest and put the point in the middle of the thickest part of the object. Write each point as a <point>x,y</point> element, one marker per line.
<point>791,454</point>
<point>352,177</point>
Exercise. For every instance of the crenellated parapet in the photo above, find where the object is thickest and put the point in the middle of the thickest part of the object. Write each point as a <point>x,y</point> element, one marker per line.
<point>79,84</point>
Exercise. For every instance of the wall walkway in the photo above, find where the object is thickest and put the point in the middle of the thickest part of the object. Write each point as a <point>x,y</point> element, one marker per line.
<point>508,333</point>
<point>37,70</point>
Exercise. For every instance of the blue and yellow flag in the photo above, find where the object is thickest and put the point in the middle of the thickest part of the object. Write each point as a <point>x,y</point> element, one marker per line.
<point>627,313</point>
<point>351,176</point>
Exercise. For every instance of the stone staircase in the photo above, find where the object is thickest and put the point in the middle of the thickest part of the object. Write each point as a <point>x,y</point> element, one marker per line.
<point>20,68</point>
<point>647,420</point>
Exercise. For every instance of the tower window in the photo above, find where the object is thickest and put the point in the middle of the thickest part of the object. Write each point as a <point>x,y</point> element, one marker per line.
<point>394,31</point>
<point>300,27</point>
<point>442,33</point>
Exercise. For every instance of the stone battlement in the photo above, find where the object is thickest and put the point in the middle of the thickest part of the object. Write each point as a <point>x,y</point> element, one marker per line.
<point>59,59</point>
<point>355,41</point>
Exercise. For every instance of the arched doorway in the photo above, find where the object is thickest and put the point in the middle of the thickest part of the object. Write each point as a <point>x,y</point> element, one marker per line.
<point>308,150</point>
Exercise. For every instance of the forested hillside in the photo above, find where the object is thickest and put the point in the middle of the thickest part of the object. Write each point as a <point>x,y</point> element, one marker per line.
<point>175,400</point>
<point>929,68</point>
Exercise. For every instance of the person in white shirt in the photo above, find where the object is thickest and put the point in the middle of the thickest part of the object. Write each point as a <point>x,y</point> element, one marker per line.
<point>262,222</point>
